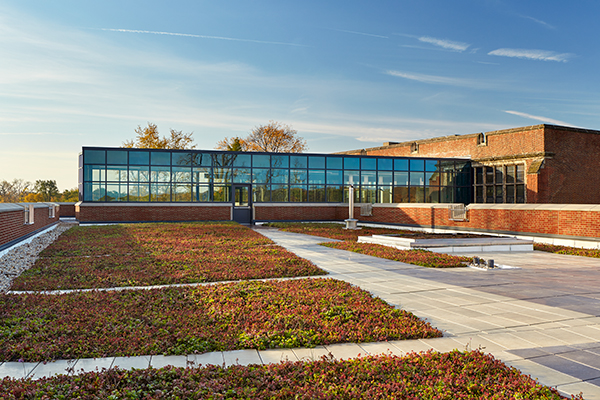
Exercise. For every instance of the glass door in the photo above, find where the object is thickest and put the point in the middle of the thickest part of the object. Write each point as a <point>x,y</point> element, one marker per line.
<point>242,204</point>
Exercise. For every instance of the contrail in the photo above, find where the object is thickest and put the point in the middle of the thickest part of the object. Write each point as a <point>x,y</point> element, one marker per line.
<point>201,36</point>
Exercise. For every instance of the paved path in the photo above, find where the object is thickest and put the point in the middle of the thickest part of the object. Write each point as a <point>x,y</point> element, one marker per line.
<point>542,318</point>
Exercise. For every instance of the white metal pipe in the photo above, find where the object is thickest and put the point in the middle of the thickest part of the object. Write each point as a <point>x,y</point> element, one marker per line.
<point>351,203</point>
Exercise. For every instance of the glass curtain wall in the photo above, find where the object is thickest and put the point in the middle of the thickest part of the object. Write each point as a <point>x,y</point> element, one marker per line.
<point>135,175</point>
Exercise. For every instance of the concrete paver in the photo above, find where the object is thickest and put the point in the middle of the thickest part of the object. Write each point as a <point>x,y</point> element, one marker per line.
<point>17,370</point>
<point>213,358</point>
<point>270,356</point>
<point>311,354</point>
<point>241,357</point>
<point>345,351</point>
<point>140,362</point>
<point>53,368</point>
<point>161,361</point>
<point>93,364</point>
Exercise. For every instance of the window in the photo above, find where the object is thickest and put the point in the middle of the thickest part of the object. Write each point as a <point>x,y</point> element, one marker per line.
<point>334,162</point>
<point>499,184</point>
<point>316,162</point>
<point>139,158</point>
<point>160,158</point>
<point>298,162</point>
<point>134,175</point>
<point>52,211</point>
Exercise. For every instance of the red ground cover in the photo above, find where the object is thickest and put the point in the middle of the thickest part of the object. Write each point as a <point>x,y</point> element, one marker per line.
<point>573,251</point>
<point>333,231</point>
<point>152,254</point>
<point>454,375</point>
<point>423,258</point>
<point>291,313</point>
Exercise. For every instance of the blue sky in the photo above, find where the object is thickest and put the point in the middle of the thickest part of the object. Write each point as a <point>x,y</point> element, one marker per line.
<point>344,74</point>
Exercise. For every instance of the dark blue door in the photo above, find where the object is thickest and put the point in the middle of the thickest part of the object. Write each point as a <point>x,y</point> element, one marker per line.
<point>242,204</point>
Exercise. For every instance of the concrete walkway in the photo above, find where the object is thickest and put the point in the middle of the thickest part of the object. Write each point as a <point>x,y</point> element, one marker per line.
<point>542,318</point>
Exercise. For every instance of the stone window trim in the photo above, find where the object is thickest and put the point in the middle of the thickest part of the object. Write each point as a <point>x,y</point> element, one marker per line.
<point>414,148</point>
<point>482,139</point>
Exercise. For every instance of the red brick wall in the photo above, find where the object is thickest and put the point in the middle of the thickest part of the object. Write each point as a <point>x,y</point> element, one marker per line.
<point>573,171</point>
<point>159,212</point>
<point>504,143</point>
<point>12,224</point>
<point>566,220</point>
<point>581,220</point>
<point>557,220</point>
<point>67,209</point>
<point>571,156</point>
<point>299,212</point>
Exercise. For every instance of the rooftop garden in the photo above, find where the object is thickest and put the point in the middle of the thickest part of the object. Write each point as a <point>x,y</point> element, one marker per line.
<point>247,314</point>
<point>453,375</point>
<point>176,320</point>
<point>159,254</point>
<point>572,251</point>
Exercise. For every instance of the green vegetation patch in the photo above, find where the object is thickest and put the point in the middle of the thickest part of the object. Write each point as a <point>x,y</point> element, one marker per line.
<point>454,375</point>
<point>333,231</point>
<point>159,253</point>
<point>245,315</point>
<point>424,258</point>
<point>572,251</point>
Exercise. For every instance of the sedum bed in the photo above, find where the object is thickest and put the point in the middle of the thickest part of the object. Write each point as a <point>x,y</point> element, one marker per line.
<point>332,230</point>
<point>424,258</point>
<point>244,315</point>
<point>159,253</point>
<point>454,375</point>
<point>572,251</point>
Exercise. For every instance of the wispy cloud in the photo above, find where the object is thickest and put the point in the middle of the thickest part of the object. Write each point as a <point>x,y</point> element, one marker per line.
<point>433,79</point>
<point>202,36</point>
<point>531,54</point>
<point>360,33</point>
<point>537,118</point>
<point>444,43</point>
<point>538,21</point>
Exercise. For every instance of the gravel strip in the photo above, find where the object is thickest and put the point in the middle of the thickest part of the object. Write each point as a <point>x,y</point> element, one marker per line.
<point>22,257</point>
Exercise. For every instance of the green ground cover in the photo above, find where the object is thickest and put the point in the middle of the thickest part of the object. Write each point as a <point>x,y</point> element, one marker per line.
<point>155,254</point>
<point>454,375</point>
<point>572,251</point>
<point>420,257</point>
<point>175,320</point>
<point>333,231</point>
<point>349,237</point>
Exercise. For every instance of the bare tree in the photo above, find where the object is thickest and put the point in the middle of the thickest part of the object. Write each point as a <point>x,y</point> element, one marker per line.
<point>274,137</point>
<point>149,138</point>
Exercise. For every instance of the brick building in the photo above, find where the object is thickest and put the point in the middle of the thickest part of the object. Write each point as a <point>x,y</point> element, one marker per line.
<point>533,164</point>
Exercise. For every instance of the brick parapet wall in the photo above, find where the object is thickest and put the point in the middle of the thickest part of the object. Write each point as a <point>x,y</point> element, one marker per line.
<point>300,212</point>
<point>536,219</point>
<point>148,212</point>
<point>540,219</point>
<point>12,221</point>
<point>67,210</point>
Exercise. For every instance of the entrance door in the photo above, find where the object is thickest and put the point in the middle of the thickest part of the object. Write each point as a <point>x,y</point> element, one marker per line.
<point>242,204</point>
